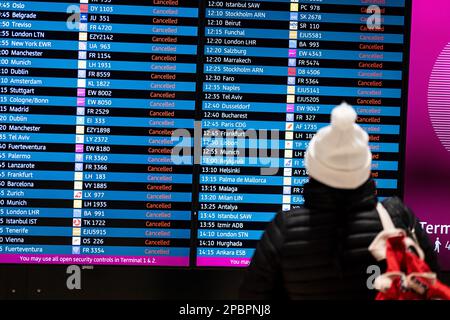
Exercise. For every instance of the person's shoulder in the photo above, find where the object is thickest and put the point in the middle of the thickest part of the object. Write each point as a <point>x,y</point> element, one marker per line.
<point>292,218</point>
<point>393,201</point>
<point>282,226</point>
<point>400,213</point>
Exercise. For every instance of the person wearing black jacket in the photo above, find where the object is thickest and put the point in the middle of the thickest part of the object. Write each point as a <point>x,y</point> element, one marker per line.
<point>320,251</point>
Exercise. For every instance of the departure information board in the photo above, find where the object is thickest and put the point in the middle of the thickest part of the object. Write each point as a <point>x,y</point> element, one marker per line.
<point>169,132</point>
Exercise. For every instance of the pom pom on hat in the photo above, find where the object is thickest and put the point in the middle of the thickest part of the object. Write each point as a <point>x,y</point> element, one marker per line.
<point>343,117</point>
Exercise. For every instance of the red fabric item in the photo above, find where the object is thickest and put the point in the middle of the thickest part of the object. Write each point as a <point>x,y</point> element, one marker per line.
<point>410,286</point>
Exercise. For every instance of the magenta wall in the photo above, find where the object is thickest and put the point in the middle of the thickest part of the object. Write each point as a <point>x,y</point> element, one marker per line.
<point>427,179</point>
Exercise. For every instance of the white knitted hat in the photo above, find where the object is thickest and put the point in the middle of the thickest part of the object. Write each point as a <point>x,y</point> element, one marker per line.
<point>339,155</point>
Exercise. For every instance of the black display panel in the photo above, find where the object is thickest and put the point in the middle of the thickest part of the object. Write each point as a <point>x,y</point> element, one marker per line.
<point>169,133</point>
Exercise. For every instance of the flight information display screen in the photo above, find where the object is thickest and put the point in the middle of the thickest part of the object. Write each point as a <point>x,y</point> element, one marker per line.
<point>170,132</point>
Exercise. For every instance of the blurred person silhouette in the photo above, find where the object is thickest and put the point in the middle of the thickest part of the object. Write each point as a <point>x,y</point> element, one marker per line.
<point>320,251</point>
